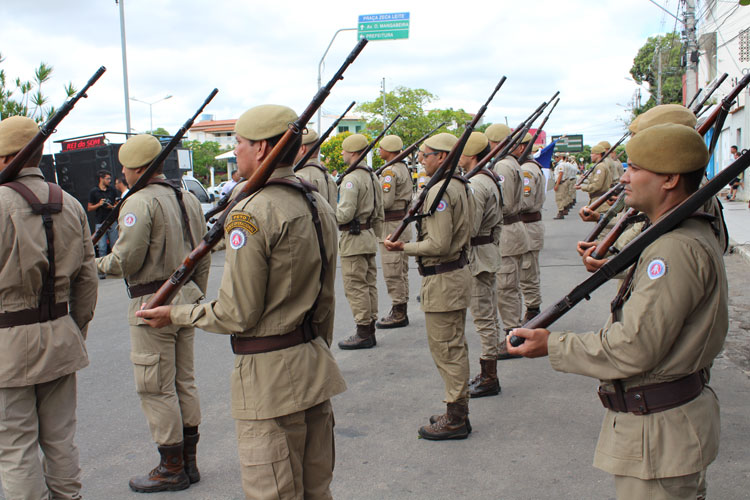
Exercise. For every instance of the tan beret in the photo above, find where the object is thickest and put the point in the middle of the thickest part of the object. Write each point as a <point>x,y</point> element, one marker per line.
<point>441,142</point>
<point>421,147</point>
<point>633,127</point>
<point>15,133</point>
<point>668,148</point>
<point>667,113</point>
<point>598,150</point>
<point>264,121</point>
<point>526,138</point>
<point>535,148</point>
<point>354,143</point>
<point>309,136</point>
<point>607,146</point>
<point>392,143</point>
<point>139,151</point>
<point>476,144</point>
<point>497,132</point>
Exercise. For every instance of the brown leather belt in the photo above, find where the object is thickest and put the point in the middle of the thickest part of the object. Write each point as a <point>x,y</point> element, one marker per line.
<point>348,226</point>
<point>393,215</point>
<point>530,217</point>
<point>653,398</point>
<point>31,316</point>
<point>443,268</point>
<point>511,219</point>
<point>135,291</point>
<point>257,345</point>
<point>483,240</point>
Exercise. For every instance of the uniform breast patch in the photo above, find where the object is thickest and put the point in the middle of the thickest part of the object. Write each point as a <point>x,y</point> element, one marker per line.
<point>442,206</point>
<point>237,239</point>
<point>129,219</point>
<point>656,269</point>
<point>242,221</point>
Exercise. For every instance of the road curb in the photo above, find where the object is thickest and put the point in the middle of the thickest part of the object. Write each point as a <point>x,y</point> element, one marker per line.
<point>741,250</point>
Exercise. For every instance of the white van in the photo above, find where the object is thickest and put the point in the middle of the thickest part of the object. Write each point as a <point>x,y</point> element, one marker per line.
<point>194,186</point>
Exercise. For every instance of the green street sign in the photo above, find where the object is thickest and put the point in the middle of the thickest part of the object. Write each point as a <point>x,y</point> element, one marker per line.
<point>393,26</point>
<point>568,143</point>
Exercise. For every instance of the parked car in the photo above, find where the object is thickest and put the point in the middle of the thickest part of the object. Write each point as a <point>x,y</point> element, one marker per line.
<point>216,190</point>
<point>194,186</point>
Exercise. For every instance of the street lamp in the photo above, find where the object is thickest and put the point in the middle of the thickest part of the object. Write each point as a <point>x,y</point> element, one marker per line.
<point>320,67</point>
<point>150,110</point>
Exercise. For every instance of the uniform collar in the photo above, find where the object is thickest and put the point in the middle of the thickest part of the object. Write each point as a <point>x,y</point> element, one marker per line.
<point>30,172</point>
<point>282,171</point>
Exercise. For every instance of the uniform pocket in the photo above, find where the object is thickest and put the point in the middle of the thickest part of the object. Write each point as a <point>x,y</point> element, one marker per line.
<point>266,467</point>
<point>506,275</point>
<point>146,369</point>
<point>622,436</point>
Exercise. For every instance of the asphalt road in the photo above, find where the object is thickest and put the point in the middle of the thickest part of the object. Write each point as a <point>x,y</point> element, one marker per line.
<point>534,441</point>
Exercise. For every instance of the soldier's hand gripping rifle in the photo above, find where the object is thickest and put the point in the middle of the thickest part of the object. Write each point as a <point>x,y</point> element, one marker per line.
<point>170,287</point>
<point>364,152</point>
<point>35,144</point>
<point>526,152</point>
<point>613,191</point>
<point>444,171</point>
<point>615,209</point>
<point>151,169</point>
<point>303,161</point>
<point>604,157</point>
<point>409,150</point>
<point>630,254</point>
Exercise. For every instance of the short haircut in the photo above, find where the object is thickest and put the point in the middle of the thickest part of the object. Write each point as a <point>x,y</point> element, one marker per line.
<point>693,180</point>
<point>288,158</point>
<point>104,173</point>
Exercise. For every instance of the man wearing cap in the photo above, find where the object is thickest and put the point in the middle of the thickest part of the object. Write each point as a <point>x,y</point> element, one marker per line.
<point>653,356</point>
<point>572,176</point>
<point>159,225</point>
<point>42,333</point>
<point>277,300</point>
<point>600,180</point>
<point>397,192</point>
<point>514,241</point>
<point>484,262</point>
<point>312,171</point>
<point>360,217</point>
<point>611,162</point>
<point>441,249</point>
<point>562,198</point>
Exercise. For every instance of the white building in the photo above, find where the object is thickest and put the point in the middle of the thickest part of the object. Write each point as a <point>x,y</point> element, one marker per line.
<point>210,130</point>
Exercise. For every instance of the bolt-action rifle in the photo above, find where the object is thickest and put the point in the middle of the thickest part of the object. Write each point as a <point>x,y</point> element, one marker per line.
<point>303,161</point>
<point>699,107</point>
<point>526,152</point>
<point>364,152</point>
<point>409,150</point>
<point>604,157</point>
<point>615,209</point>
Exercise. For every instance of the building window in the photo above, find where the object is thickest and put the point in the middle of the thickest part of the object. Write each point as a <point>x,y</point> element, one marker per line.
<point>358,128</point>
<point>343,128</point>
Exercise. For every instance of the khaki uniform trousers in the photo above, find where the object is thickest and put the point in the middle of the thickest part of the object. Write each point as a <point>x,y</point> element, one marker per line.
<point>562,196</point>
<point>359,273</point>
<point>165,380</point>
<point>572,190</point>
<point>484,311</point>
<point>288,457</point>
<point>39,416</point>
<point>667,488</point>
<point>530,285</point>
<point>509,301</point>
<point>395,267</point>
<point>450,352</point>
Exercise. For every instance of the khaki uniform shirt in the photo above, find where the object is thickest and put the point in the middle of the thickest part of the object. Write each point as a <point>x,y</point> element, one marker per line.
<point>444,237</point>
<point>487,219</point>
<point>41,352</point>
<point>360,197</point>
<point>672,324</point>
<point>514,240</point>
<point>397,194</point>
<point>598,182</point>
<point>315,174</point>
<point>616,170</point>
<point>152,243</point>
<point>270,281</point>
<point>533,201</point>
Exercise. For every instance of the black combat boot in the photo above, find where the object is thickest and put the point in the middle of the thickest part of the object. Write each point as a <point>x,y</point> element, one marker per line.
<point>169,475</point>
<point>531,313</point>
<point>395,319</point>
<point>502,349</point>
<point>452,425</point>
<point>486,383</point>
<point>559,215</point>
<point>362,339</point>
<point>189,453</point>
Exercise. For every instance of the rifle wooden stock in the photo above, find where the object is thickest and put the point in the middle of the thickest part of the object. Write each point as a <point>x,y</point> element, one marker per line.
<point>606,218</point>
<point>151,170</point>
<point>603,247</point>
<point>409,150</point>
<point>632,252</point>
<point>35,144</point>
<point>613,191</point>
<point>708,95</point>
<point>182,274</point>
<point>302,161</point>
<point>726,104</point>
<point>364,152</point>
<point>445,170</point>
<point>604,156</point>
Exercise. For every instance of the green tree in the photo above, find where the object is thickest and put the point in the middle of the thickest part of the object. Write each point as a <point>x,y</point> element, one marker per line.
<point>159,131</point>
<point>27,99</point>
<point>646,64</point>
<point>204,157</point>
<point>330,152</point>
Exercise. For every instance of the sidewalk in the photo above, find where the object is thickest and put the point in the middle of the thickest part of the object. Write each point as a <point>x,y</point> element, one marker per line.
<point>737,216</point>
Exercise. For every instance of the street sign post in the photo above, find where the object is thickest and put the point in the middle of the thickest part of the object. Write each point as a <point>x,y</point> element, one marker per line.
<point>394,26</point>
<point>571,143</point>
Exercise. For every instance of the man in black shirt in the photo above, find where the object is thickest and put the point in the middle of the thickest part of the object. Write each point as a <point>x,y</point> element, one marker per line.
<point>101,200</point>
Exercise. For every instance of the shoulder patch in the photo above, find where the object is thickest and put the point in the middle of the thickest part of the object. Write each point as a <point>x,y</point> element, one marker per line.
<point>129,219</point>
<point>656,269</point>
<point>386,187</point>
<point>349,185</point>
<point>442,206</point>
<point>237,238</point>
<point>242,221</point>
<point>388,178</point>
<point>502,178</point>
<point>598,171</point>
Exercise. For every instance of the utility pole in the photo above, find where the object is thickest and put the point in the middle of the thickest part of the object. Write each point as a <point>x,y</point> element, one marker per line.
<point>691,73</point>
<point>124,66</point>
<point>383,89</point>
<point>658,76</point>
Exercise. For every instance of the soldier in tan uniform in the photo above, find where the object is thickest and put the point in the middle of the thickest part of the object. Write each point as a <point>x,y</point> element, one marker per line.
<point>313,172</point>
<point>484,262</point>
<point>441,249</point>
<point>277,300</point>
<point>562,193</point>
<point>360,217</point>
<point>154,239</point>
<point>600,180</point>
<point>653,356</point>
<point>46,308</point>
<point>397,193</point>
<point>531,216</point>
<point>514,241</point>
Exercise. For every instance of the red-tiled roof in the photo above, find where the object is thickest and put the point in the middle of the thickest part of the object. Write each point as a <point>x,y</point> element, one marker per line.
<point>214,126</point>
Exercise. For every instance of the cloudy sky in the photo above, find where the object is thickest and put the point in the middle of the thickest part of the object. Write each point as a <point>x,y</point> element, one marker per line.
<point>268,52</point>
